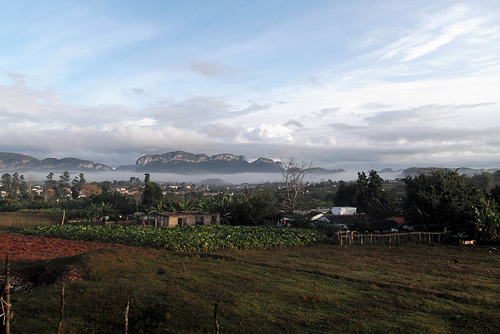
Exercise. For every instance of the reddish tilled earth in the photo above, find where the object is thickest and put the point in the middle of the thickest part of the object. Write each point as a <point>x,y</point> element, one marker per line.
<point>28,248</point>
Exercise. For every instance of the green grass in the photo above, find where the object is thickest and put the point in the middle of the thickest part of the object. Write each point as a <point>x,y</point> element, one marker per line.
<point>316,289</point>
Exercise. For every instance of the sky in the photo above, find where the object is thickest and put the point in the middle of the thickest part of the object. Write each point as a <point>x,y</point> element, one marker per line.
<point>342,84</point>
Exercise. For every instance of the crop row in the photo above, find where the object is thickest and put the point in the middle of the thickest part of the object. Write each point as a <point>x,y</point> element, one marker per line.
<point>187,238</point>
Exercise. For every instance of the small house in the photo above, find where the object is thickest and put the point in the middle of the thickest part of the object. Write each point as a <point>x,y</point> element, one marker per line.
<point>171,219</point>
<point>339,221</point>
<point>343,210</point>
<point>389,225</point>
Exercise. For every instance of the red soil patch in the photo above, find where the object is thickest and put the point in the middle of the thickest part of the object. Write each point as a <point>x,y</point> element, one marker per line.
<point>28,248</point>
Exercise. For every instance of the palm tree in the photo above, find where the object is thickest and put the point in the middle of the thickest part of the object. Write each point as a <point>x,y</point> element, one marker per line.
<point>159,208</point>
<point>183,204</point>
<point>98,211</point>
<point>221,203</point>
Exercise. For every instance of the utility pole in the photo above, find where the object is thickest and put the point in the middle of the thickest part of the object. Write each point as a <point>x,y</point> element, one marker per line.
<point>116,208</point>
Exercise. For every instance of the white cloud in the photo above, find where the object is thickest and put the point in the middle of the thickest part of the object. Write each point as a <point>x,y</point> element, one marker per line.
<point>445,36</point>
<point>210,68</point>
<point>271,131</point>
<point>220,130</point>
<point>419,87</point>
<point>436,31</point>
<point>141,122</point>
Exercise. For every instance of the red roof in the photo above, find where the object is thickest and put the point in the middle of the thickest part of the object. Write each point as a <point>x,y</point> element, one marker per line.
<point>399,220</point>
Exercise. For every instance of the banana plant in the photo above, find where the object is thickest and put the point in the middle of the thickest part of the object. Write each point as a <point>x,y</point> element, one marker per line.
<point>159,208</point>
<point>488,221</point>
<point>98,211</point>
<point>182,204</point>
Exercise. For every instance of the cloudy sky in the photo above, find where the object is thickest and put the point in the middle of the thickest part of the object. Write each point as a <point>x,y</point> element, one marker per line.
<point>344,84</point>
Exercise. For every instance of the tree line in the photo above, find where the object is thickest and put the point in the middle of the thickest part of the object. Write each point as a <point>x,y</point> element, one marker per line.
<point>438,200</point>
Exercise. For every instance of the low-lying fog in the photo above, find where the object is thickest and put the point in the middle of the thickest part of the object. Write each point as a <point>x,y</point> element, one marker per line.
<point>38,176</point>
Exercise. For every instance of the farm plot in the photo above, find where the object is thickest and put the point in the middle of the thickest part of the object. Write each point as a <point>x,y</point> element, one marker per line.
<point>188,238</point>
<point>29,248</point>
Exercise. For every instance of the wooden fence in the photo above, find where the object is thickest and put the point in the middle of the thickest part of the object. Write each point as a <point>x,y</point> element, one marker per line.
<point>355,238</point>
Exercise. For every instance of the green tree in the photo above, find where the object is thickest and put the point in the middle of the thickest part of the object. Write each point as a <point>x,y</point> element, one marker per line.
<point>483,180</point>
<point>370,194</point>
<point>183,203</point>
<point>64,179</point>
<point>222,204</point>
<point>24,188</point>
<point>347,194</point>
<point>125,204</point>
<point>151,194</point>
<point>442,199</point>
<point>63,184</point>
<point>252,207</point>
<point>159,208</point>
<point>49,186</point>
<point>495,195</point>
<point>98,211</point>
<point>496,178</point>
<point>106,187</point>
<point>367,195</point>
<point>7,184</point>
<point>374,199</point>
<point>77,186</point>
<point>16,185</point>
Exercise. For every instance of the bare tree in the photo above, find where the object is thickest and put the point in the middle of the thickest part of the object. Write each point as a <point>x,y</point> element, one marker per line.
<point>293,174</point>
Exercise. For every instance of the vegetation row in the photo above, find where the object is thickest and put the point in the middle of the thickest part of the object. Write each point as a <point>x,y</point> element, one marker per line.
<point>186,238</point>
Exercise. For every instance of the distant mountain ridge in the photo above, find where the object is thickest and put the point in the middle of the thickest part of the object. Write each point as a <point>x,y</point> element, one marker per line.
<point>187,163</point>
<point>16,161</point>
<point>412,171</point>
<point>181,162</point>
<point>177,162</point>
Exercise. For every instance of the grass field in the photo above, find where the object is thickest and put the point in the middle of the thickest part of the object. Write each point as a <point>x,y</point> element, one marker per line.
<point>315,289</point>
<point>18,220</point>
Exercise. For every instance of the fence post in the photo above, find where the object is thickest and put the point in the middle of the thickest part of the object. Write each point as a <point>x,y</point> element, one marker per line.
<point>6,301</point>
<point>216,322</point>
<point>127,308</point>
<point>61,311</point>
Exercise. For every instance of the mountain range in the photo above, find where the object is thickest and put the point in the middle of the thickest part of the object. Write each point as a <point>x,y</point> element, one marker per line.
<point>178,162</point>
<point>20,162</point>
